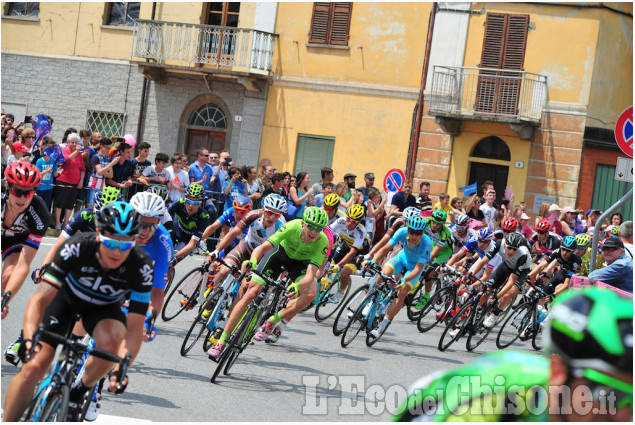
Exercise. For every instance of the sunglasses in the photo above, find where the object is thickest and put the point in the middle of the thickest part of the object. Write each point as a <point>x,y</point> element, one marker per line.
<point>149,226</point>
<point>601,385</point>
<point>415,232</point>
<point>330,208</point>
<point>193,203</point>
<point>483,241</point>
<point>608,249</point>
<point>542,232</point>
<point>313,227</point>
<point>19,193</point>
<point>213,157</point>
<point>240,211</point>
<point>511,248</point>
<point>113,244</point>
<point>273,214</point>
<point>461,227</point>
<point>566,250</point>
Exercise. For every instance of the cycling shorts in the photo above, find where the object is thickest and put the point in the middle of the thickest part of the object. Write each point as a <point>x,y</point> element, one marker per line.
<point>443,255</point>
<point>400,265</point>
<point>273,261</point>
<point>501,274</point>
<point>239,254</point>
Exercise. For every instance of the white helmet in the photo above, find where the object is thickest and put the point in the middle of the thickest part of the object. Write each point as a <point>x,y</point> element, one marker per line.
<point>410,212</point>
<point>162,191</point>
<point>148,204</point>
<point>275,202</point>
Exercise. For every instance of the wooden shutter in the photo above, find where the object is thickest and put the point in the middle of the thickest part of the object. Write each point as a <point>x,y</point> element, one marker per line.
<point>503,48</point>
<point>330,23</point>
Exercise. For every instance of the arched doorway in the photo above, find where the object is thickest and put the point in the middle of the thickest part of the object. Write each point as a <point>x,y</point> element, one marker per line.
<point>490,160</point>
<point>206,126</point>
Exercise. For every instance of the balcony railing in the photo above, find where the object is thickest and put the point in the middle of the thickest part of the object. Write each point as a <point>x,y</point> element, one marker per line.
<point>190,45</point>
<point>487,94</point>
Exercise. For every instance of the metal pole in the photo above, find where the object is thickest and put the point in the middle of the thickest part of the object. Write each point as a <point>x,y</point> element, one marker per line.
<point>598,224</point>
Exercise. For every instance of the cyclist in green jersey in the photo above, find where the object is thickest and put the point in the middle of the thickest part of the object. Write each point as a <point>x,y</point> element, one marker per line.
<point>441,237</point>
<point>301,247</point>
<point>588,375</point>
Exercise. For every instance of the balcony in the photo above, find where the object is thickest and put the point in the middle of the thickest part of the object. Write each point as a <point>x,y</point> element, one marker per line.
<point>486,94</point>
<point>203,48</point>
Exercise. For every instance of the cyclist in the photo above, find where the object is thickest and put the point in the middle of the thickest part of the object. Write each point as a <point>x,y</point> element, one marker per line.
<point>301,247</point>
<point>397,224</point>
<point>583,240</point>
<point>544,241</point>
<point>258,225</point>
<point>461,232</point>
<point>354,240</point>
<point>240,207</point>
<point>442,239</point>
<point>587,377</point>
<point>331,206</point>
<point>190,221</point>
<point>563,257</point>
<point>512,271</point>
<point>409,262</point>
<point>25,219</point>
<point>164,193</point>
<point>475,248</point>
<point>114,267</point>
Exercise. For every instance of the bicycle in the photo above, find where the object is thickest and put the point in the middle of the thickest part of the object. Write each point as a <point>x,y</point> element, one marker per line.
<point>172,267</point>
<point>525,322</point>
<point>51,400</point>
<point>443,304</point>
<point>371,311</point>
<point>184,296</point>
<point>218,303</point>
<point>325,307</point>
<point>273,295</point>
<point>413,299</point>
<point>6,296</point>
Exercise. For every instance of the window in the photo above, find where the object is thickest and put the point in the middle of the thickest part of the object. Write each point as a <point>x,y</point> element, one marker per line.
<point>223,14</point>
<point>330,23</point>
<point>492,147</point>
<point>24,9</point>
<point>123,13</point>
<point>313,153</point>
<point>107,123</point>
<point>209,115</point>
<point>504,50</point>
<point>607,191</point>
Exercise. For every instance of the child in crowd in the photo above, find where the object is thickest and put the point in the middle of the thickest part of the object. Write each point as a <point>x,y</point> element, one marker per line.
<point>48,169</point>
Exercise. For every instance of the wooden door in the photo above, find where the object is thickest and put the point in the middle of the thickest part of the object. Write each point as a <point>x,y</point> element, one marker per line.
<point>213,141</point>
<point>481,172</point>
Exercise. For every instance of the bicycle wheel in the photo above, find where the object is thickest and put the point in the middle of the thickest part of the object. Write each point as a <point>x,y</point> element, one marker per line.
<point>358,321</point>
<point>537,337</point>
<point>437,309</point>
<point>514,325</point>
<point>56,407</point>
<point>326,308</point>
<point>243,335</point>
<point>231,345</point>
<point>199,324</point>
<point>350,306</point>
<point>478,332</point>
<point>371,340</point>
<point>411,310</point>
<point>459,322</point>
<point>171,274</point>
<point>183,295</point>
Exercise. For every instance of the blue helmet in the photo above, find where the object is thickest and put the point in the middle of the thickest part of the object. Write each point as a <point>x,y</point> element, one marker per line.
<point>570,243</point>
<point>118,219</point>
<point>486,234</point>
<point>416,223</point>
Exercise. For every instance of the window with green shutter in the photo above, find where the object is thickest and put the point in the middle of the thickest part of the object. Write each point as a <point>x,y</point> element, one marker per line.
<point>330,23</point>
<point>312,154</point>
<point>607,191</point>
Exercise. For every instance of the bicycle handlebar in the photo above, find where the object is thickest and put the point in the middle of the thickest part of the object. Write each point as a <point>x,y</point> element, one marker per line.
<point>6,296</point>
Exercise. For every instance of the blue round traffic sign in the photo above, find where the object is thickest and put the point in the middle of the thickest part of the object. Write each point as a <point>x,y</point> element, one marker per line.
<point>394,179</point>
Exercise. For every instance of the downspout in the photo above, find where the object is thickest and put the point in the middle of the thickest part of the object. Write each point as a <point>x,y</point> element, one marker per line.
<point>414,143</point>
<point>144,88</point>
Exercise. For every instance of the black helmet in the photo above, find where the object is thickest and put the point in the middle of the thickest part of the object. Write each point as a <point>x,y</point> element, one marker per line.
<point>514,240</point>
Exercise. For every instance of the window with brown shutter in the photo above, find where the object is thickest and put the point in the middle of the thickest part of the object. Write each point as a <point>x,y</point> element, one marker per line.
<point>504,50</point>
<point>330,23</point>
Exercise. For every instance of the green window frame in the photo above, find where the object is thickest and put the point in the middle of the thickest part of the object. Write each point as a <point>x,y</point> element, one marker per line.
<point>607,191</point>
<point>312,154</point>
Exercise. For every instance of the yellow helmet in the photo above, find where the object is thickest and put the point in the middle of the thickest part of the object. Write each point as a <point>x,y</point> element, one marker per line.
<point>355,212</point>
<point>332,200</point>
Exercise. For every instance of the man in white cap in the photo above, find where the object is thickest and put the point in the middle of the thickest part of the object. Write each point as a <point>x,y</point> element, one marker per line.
<point>554,219</point>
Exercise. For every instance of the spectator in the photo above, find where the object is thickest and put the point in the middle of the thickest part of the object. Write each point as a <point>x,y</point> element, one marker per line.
<point>83,147</point>
<point>402,200</point>
<point>327,188</point>
<point>234,187</point>
<point>249,179</point>
<point>369,181</point>
<point>103,169</point>
<point>616,219</point>
<point>9,120</point>
<point>157,174</point>
<point>71,177</point>
<point>489,210</point>
<point>424,203</point>
<point>219,176</point>
<point>300,195</point>
<point>28,138</point>
<point>626,234</point>
<point>486,187</point>
<point>349,179</point>
<point>213,159</point>
<point>327,176</point>
<point>543,213</point>
<point>18,152</point>
<point>619,269</point>
<point>457,208</point>
<point>202,173</point>
<point>286,184</point>
<point>340,190</point>
<point>7,151</point>
<point>276,186</point>
<point>48,169</point>
<point>140,163</point>
<point>185,163</point>
<point>524,228</point>
<point>264,179</point>
<point>69,130</point>
<point>473,209</point>
<point>571,224</point>
<point>96,138</point>
<point>123,170</point>
<point>376,214</point>
<point>553,218</point>
<point>443,203</point>
<point>179,179</point>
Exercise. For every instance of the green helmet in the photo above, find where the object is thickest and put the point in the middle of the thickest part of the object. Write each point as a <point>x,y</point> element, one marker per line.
<point>583,240</point>
<point>106,196</point>
<point>315,216</point>
<point>592,328</point>
<point>439,216</point>
<point>615,231</point>
<point>194,190</point>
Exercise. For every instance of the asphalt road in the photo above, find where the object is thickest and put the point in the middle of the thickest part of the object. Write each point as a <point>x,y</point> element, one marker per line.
<point>306,376</point>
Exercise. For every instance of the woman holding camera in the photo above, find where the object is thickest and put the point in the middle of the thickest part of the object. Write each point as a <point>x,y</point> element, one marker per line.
<point>233,187</point>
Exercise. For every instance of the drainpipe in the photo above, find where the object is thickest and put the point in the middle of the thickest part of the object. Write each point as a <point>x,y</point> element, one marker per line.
<point>144,88</point>
<point>414,143</point>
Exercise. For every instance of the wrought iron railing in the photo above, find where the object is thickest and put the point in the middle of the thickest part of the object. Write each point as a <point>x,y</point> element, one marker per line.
<point>191,45</point>
<point>486,93</point>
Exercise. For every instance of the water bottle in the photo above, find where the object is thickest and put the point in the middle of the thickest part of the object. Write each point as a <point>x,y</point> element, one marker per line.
<point>325,282</point>
<point>462,296</point>
<point>541,314</point>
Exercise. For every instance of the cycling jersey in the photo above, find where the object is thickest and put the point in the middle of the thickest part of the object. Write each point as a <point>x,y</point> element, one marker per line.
<point>519,263</point>
<point>337,215</point>
<point>571,266</point>
<point>288,237</point>
<point>551,244</point>
<point>187,226</point>
<point>256,233</point>
<point>502,386</point>
<point>76,267</point>
<point>441,238</point>
<point>82,221</point>
<point>472,247</point>
<point>460,241</point>
<point>161,250</point>
<point>353,238</point>
<point>419,253</point>
<point>27,229</point>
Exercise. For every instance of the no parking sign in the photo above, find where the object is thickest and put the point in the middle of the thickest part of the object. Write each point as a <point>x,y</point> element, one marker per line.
<point>393,181</point>
<point>624,131</point>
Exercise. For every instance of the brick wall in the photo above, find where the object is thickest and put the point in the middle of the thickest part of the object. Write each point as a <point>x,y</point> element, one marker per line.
<point>590,158</point>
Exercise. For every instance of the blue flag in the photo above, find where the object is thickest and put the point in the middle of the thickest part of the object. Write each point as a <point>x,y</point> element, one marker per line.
<point>42,128</point>
<point>469,190</point>
<point>55,152</point>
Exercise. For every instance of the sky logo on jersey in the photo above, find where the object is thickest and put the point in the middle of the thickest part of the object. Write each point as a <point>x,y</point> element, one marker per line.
<point>94,283</point>
<point>147,273</point>
<point>70,251</point>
